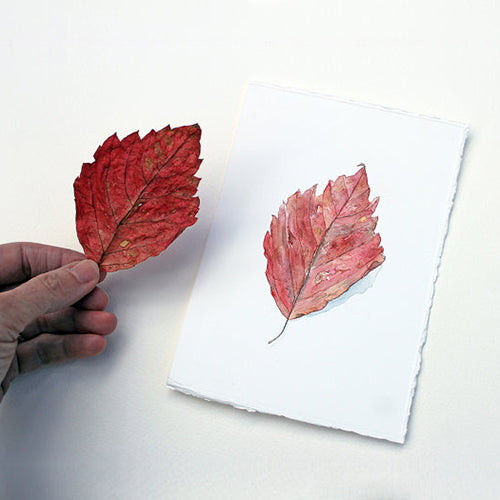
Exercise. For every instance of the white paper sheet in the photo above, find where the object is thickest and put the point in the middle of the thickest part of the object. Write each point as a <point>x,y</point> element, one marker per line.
<point>353,366</point>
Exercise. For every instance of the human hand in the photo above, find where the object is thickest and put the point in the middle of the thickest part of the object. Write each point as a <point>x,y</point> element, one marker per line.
<point>51,309</point>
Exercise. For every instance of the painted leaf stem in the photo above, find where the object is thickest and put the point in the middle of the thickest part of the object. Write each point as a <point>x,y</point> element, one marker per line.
<point>137,196</point>
<point>319,245</point>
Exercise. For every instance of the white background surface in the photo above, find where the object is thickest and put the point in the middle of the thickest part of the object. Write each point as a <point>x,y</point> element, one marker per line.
<point>353,367</point>
<point>72,74</point>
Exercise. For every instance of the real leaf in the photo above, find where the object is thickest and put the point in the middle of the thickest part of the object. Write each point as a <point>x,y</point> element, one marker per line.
<point>319,245</point>
<point>137,196</point>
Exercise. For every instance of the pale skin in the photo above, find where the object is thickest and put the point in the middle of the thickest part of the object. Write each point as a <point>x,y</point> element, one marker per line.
<point>51,309</point>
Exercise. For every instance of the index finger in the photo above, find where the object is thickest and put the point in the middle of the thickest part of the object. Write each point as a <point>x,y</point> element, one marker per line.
<point>22,261</point>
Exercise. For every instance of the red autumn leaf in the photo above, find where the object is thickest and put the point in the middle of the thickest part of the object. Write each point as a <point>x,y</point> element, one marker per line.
<point>137,196</point>
<point>320,245</point>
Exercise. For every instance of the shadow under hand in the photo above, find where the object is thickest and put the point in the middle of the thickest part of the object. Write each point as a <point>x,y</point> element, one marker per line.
<point>48,413</point>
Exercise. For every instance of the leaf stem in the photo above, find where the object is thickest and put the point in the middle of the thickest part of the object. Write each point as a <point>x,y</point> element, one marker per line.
<point>280,333</point>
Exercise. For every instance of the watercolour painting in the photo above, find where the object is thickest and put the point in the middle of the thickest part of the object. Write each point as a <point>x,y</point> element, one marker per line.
<point>320,245</point>
<point>345,268</point>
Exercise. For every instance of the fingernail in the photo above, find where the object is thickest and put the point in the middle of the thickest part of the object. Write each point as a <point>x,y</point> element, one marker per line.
<point>85,271</point>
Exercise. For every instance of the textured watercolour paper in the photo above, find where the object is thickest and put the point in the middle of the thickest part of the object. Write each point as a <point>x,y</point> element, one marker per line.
<point>350,204</point>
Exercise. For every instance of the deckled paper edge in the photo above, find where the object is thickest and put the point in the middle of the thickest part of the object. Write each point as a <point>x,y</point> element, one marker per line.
<point>171,384</point>
<point>451,201</point>
<point>379,107</point>
<point>176,386</point>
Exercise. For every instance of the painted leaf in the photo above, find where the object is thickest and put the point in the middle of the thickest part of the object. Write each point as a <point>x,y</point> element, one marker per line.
<point>321,244</point>
<point>137,196</point>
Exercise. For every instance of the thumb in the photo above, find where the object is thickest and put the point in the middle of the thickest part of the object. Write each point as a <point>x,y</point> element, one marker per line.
<point>46,293</point>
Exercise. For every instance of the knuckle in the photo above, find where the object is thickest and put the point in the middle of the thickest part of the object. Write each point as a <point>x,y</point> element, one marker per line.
<point>53,284</point>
